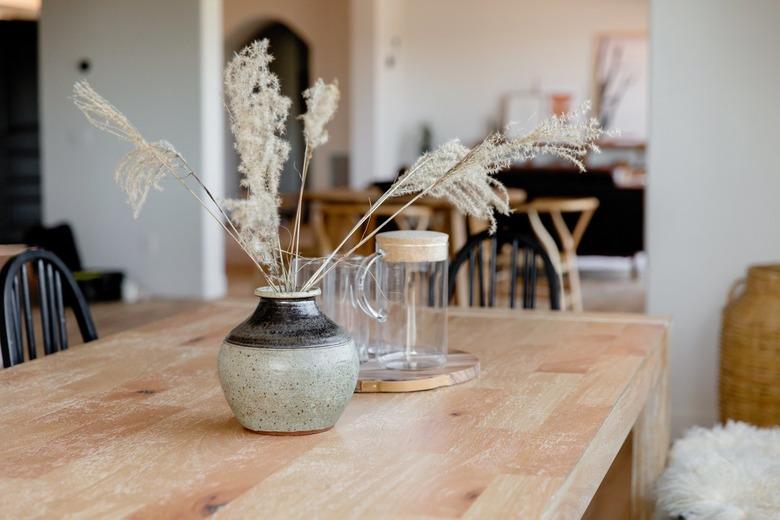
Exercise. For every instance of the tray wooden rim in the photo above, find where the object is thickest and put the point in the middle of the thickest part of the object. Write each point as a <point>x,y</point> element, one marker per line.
<point>466,367</point>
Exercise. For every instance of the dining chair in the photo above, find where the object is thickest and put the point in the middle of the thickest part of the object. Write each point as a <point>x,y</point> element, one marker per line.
<point>332,221</point>
<point>480,258</point>
<point>567,238</point>
<point>56,287</point>
<point>559,223</point>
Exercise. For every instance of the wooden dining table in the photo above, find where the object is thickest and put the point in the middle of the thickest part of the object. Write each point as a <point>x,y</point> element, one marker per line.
<point>135,425</point>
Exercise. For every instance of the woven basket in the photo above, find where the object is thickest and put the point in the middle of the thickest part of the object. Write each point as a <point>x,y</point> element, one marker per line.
<point>750,349</point>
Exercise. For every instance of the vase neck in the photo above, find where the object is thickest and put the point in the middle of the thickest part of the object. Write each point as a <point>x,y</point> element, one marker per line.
<point>287,322</point>
<point>269,293</point>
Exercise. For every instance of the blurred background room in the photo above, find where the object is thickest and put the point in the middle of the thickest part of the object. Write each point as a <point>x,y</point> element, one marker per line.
<point>669,216</point>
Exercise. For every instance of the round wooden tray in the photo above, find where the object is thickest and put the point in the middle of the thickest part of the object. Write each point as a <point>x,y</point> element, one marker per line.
<point>461,367</point>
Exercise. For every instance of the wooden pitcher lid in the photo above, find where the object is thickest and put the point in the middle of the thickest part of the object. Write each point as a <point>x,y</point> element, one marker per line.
<point>413,246</point>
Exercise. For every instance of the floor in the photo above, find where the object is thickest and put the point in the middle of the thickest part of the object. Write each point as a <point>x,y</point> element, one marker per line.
<point>613,291</point>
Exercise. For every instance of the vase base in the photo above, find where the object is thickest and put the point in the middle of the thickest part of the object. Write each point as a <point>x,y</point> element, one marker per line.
<point>281,434</point>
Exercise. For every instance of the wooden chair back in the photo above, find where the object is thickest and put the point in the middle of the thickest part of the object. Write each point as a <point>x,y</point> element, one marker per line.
<point>567,238</point>
<point>332,221</point>
<point>560,239</point>
<point>557,207</point>
<point>56,287</point>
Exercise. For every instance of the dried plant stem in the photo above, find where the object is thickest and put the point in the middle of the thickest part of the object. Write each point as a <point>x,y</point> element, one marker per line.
<point>285,269</point>
<point>318,274</point>
<point>234,233</point>
<point>217,219</point>
<point>366,238</point>
<point>218,206</point>
<point>296,236</point>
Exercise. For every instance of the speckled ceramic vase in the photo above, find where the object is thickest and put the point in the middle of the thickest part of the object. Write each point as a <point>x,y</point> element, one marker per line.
<point>288,369</point>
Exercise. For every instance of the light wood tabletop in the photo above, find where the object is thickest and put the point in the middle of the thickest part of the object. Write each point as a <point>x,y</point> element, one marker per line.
<point>135,425</point>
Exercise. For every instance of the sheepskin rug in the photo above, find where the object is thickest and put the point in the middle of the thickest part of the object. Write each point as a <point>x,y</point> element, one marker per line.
<point>729,472</point>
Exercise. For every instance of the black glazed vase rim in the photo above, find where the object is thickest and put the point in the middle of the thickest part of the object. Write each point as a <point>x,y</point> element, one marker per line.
<point>270,294</point>
<point>287,320</point>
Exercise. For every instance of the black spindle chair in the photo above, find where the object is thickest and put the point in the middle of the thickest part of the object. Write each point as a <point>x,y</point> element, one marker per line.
<point>56,287</point>
<point>526,254</point>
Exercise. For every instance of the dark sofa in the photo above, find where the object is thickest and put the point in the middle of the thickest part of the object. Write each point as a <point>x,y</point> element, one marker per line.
<point>617,227</point>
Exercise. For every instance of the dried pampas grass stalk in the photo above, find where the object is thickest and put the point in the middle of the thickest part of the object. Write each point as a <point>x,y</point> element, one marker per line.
<point>147,164</point>
<point>322,100</point>
<point>321,103</point>
<point>569,136</point>
<point>258,115</point>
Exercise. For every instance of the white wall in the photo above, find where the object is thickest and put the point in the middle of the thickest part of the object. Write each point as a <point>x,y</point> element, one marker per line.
<point>160,63</point>
<point>714,179</point>
<point>212,123</point>
<point>454,60</point>
<point>363,78</point>
<point>378,89</point>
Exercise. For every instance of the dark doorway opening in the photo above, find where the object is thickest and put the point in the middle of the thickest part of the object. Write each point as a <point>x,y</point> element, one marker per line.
<point>20,172</point>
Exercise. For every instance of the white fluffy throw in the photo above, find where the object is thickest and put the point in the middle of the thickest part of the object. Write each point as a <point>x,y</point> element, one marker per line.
<point>729,472</point>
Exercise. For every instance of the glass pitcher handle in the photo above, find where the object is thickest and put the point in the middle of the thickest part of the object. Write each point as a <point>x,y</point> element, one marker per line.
<point>362,299</point>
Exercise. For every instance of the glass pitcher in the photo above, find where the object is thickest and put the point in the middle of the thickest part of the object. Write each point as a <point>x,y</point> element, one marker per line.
<point>409,298</point>
<point>337,298</point>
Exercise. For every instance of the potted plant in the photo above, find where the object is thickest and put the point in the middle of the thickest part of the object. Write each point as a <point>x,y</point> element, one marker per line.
<point>288,369</point>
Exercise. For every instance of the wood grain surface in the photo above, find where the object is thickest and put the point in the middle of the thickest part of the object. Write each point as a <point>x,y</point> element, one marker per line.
<point>135,425</point>
<point>461,367</point>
